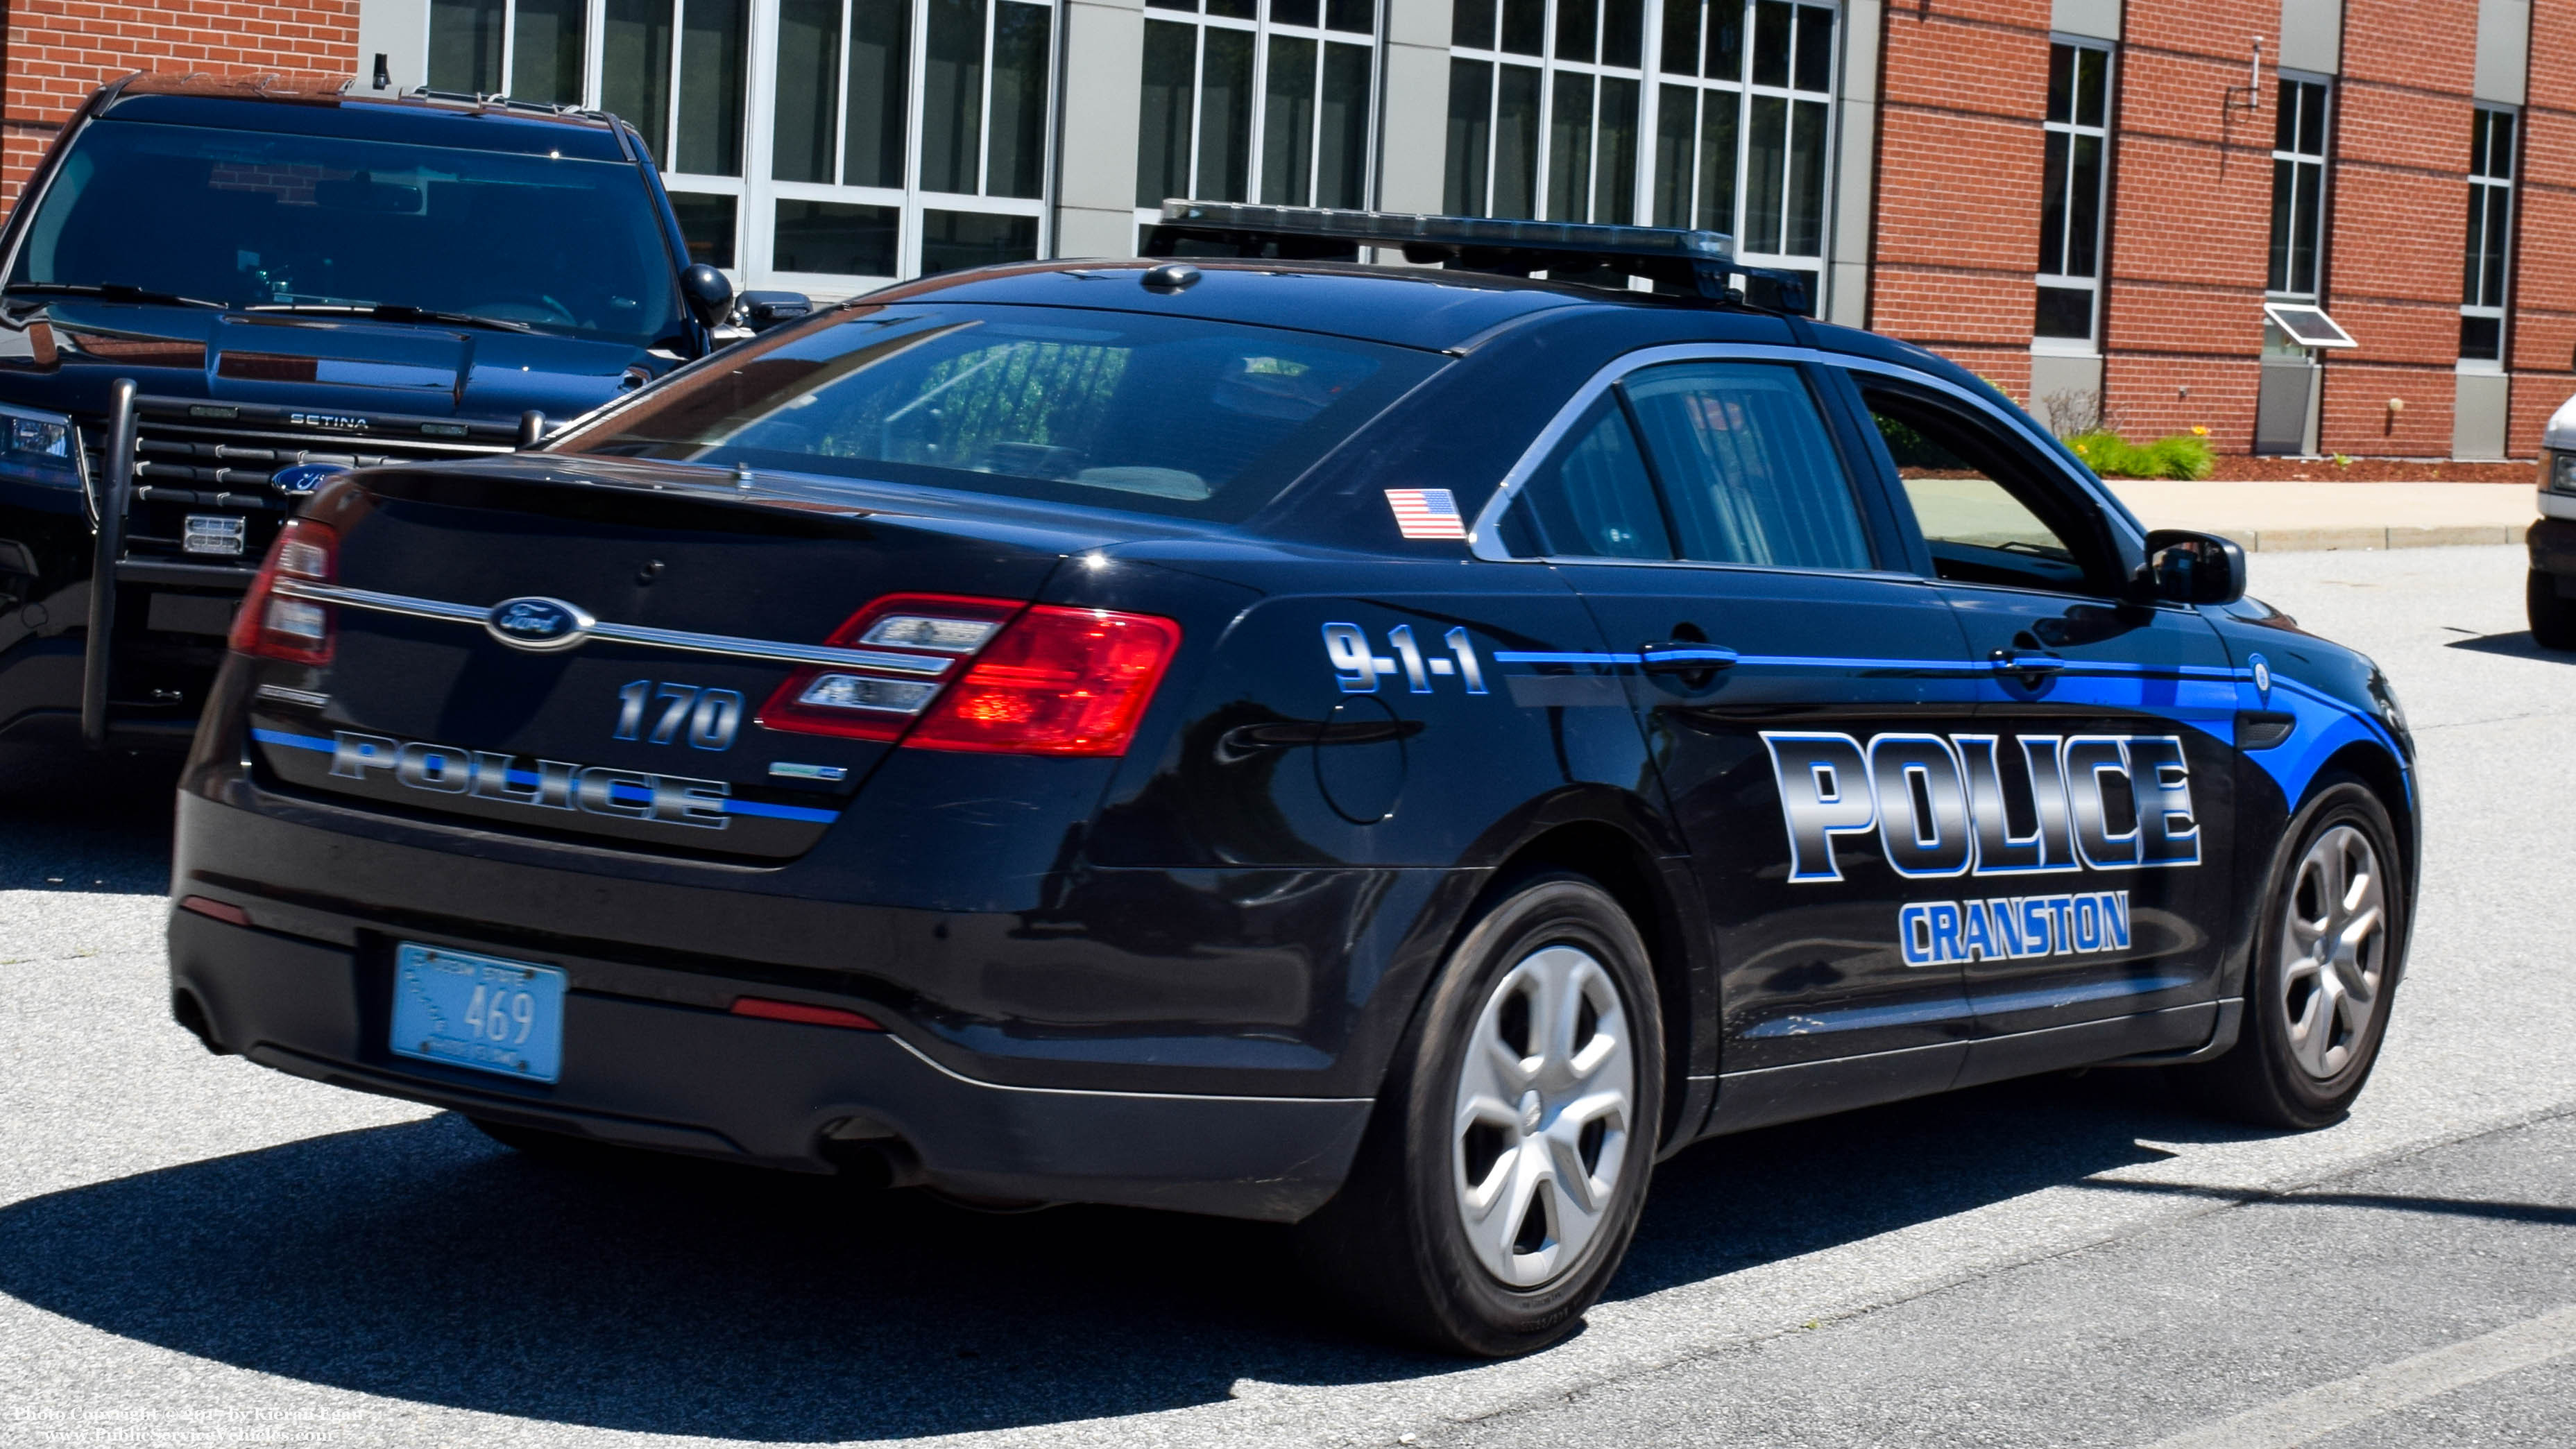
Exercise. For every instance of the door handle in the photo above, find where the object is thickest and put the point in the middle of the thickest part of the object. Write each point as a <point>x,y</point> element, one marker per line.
<point>2027,661</point>
<point>1682,656</point>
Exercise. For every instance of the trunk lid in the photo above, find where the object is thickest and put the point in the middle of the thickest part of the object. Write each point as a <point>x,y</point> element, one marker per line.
<point>642,732</point>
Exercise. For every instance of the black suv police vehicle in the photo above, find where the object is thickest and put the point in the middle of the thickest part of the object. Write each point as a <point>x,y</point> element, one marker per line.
<point>218,294</point>
<point>1392,750</point>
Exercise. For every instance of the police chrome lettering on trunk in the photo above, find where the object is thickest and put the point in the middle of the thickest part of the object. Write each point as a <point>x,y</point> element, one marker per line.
<point>1937,803</point>
<point>550,785</point>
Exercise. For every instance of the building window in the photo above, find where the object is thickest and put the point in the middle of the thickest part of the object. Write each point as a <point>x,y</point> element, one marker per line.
<point>1257,100</point>
<point>535,44</point>
<point>1544,108</point>
<point>2298,187</point>
<point>2078,143</point>
<point>2482,287</point>
<point>1711,114</point>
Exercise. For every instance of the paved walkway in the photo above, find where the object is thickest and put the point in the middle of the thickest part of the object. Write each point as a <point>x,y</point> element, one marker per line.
<point>2304,517</point>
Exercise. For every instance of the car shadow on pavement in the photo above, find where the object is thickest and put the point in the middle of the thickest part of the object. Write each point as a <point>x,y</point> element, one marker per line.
<point>421,1263</point>
<point>76,822</point>
<point>2516,645</point>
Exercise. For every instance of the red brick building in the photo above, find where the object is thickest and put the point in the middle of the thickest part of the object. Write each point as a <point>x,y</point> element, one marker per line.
<point>2118,210</point>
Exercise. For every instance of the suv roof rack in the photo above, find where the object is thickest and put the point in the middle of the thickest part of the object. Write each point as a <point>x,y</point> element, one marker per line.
<point>549,108</point>
<point>1699,265</point>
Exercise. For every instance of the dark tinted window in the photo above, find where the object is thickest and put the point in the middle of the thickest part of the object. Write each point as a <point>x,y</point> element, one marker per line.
<point>1747,466</point>
<point>1112,409</point>
<point>266,219</point>
<point>1592,498</point>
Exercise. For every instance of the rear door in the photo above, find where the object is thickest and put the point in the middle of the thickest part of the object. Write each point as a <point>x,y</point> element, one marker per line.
<point>2102,759</point>
<point>1794,694</point>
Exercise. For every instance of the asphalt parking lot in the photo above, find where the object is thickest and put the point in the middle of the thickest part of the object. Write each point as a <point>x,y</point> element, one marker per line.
<point>194,1250</point>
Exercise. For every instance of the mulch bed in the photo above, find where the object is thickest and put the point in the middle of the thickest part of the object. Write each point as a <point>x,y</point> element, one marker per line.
<point>2368,470</point>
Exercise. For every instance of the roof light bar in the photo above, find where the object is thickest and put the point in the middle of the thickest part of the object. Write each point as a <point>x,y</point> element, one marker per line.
<point>1698,263</point>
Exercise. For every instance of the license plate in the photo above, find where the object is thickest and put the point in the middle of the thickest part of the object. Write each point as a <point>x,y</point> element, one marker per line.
<point>482,1012</point>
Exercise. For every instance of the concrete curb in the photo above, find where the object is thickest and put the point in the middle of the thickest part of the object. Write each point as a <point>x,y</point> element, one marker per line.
<point>2322,540</point>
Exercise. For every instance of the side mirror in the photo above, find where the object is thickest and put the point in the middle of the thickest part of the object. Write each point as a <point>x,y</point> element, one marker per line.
<point>709,295</point>
<point>2184,567</point>
<point>764,310</point>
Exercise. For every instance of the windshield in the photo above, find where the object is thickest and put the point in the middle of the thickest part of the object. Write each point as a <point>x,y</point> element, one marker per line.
<point>256,219</point>
<point>1118,410</point>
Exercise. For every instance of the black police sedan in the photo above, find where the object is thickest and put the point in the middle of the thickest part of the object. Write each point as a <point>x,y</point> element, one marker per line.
<point>1391,750</point>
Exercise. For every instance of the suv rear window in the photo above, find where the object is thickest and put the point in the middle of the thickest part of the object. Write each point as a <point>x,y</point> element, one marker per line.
<point>1112,409</point>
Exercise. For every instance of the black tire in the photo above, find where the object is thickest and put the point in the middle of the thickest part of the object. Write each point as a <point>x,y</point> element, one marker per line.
<point>2262,1080</point>
<point>1393,1245</point>
<point>2553,619</point>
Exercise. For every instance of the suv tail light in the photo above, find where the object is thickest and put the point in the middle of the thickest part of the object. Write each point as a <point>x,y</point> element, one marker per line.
<point>924,638</point>
<point>1057,682</point>
<point>274,625</point>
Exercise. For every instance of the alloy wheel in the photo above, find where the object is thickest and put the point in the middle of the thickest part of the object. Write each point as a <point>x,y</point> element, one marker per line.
<point>2333,950</point>
<point>1544,1111</point>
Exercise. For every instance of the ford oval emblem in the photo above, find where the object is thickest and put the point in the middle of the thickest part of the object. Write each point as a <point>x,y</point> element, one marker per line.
<point>303,478</point>
<point>537,624</point>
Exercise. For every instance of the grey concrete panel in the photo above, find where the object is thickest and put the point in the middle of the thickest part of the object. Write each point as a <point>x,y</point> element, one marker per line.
<point>398,30</point>
<point>2504,51</point>
<point>1855,195</point>
<point>1413,126</point>
<point>2478,422</point>
<point>2053,374</point>
<point>2099,19</point>
<point>1104,64</point>
<point>2311,36</point>
<point>2282,407</point>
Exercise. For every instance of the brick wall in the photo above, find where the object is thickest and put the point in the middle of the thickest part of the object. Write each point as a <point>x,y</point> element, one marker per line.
<point>2541,337</point>
<point>2191,209</point>
<point>61,50</point>
<point>1959,173</point>
<point>2399,224</point>
<point>1965,90</point>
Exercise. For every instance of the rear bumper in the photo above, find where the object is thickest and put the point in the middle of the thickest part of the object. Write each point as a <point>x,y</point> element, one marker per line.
<point>690,1078</point>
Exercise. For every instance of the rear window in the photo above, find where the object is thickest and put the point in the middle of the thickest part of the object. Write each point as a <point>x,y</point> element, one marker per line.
<point>1156,414</point>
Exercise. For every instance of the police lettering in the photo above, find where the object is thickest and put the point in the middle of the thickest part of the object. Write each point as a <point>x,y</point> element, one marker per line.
<point>552,785</point>
<point>1936,803</point>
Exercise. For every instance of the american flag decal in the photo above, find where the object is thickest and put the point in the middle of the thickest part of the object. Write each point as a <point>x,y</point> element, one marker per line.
<point>1426,513</point>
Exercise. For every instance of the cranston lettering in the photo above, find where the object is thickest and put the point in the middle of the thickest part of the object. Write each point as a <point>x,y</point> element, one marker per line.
<point>1950,933</point>
<point>551,785</point>
<point>1937,804</point>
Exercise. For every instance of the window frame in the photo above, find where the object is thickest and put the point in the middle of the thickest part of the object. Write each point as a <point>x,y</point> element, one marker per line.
<point>2090,344</point>
<point>1889,557</point>
<point>755,192</point>
<point>2483,188</point>
<point>1263,29</point>
<point>1740,88</point>
<point>2322,158</point>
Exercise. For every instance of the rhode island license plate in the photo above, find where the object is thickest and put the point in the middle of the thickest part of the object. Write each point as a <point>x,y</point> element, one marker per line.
<point>483,1012</point>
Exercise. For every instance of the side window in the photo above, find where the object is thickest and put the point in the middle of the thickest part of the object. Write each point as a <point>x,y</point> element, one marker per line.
<point>1592,498</point>
<point>1747,465</point>
<point>1984,506</point>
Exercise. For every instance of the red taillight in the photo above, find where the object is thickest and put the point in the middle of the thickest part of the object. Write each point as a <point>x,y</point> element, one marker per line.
<point>925,639</point>
<point>769,1009</point>
<point>224,911</point>
<point>1058,681</point>
<point>275,625</point>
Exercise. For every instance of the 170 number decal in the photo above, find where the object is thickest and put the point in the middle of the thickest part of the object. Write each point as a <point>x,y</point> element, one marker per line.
<point>710,716</point>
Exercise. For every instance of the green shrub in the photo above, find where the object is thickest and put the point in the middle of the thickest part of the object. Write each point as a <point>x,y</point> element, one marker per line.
<point>2181,455</point>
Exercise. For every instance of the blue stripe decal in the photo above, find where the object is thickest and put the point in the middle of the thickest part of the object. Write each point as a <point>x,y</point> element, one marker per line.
<point>2071,995</point>
<point>780,812</point>
<point>293,741</point>
<point>2073,667</point>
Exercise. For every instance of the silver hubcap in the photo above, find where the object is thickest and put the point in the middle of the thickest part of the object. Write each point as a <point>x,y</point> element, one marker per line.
<point>1544,1107</point>
<point>2333,950</point>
